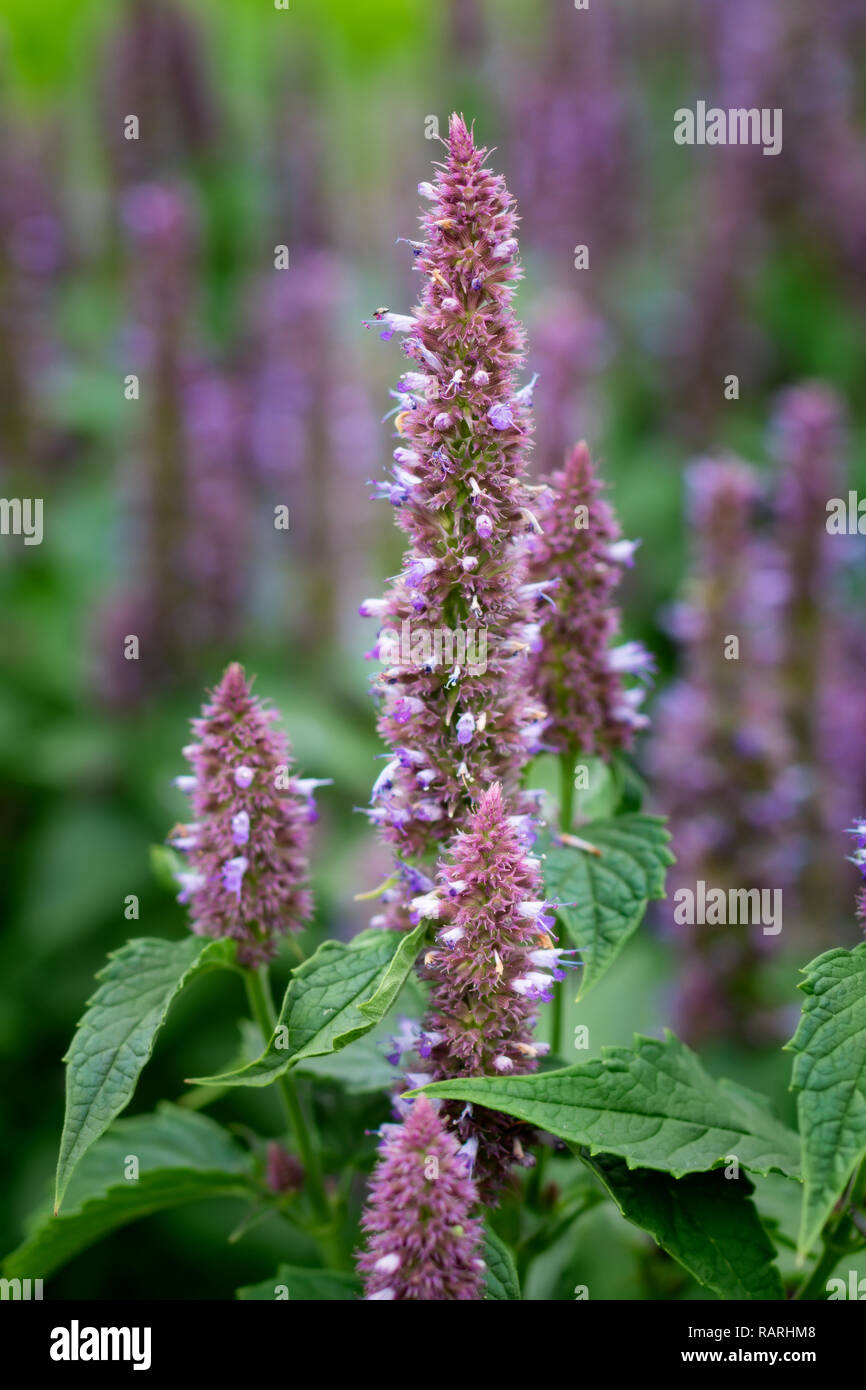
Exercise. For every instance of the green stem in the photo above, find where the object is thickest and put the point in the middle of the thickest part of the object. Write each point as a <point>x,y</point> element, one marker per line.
<point>815,1284</point>
<point>557,1017</point>
<point>836,1238</point>
<point>566,817</point>
<point>262,1007</point>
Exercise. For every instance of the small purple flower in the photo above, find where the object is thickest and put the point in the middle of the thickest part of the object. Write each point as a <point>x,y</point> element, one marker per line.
<point>465,728</point>
<point>419,570</point>
<point>241,827</point>
<point>406,708</point>
<point>233,872</point>
<point>500,416</point>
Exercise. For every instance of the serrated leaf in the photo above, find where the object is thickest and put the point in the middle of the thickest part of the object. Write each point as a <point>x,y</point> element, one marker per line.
<point>610,890</point>
<point>501,1281</point>
<point>653,1105</point>
<point>116,1034</point>
<point>304,1286</point>
<point>705,1221</point>
<point>182,1157</point>
<point>829,1076</point>
<point>322,1008</point>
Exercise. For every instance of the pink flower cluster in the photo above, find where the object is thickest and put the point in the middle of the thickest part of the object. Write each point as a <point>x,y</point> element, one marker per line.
<point>423,1241</point>
<point>576,672</point>
<point>458,486</point>
<point>247,846</point>
<point>493,962</point>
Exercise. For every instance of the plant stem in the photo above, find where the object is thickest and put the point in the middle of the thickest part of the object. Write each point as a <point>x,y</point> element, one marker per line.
<point>566,816</point>
<point>836,1241</point>
<point>262,1007</point>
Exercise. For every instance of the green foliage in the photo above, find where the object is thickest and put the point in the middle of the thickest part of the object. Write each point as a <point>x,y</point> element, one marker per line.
<point>180,1156</point>
<point>295,1285</point>
<point>116,1034</point>
<point>336,996</point>
<point>610,890</point>
<point>829,1076</point>
<point>500,1277</point>
<point>653,1105</point>
<point>706,1221</point>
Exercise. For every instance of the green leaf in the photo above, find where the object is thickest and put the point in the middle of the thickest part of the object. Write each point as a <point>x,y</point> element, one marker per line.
<point>633,788</point>
<point>610,890</point>
<point>182,1157</point>
<point>116,1034</point>
<point>394,978</point>
<point>653,1105</point>
<point>304,1286</point>
<point>706,1221</point>
<point>324,1005</point>
<point>501,1277</point>
<point>829,1076</point>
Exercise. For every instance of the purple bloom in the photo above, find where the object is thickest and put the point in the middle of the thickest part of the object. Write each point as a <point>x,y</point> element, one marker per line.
<point>493,961</point>
<point>469,488</point>
<point>465,728</point>
<point>577,675</point>
<point>500,416</point>
<point>721,756</point>
<point>244,793</point>
<point>423,1242</point>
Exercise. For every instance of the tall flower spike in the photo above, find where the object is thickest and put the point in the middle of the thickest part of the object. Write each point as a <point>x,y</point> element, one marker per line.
<point>456,622</point>
<point>247,848</point>
<point>578,676</point>
<point>493,962</point>
<point>720,756</point>
<point>423,1242</point>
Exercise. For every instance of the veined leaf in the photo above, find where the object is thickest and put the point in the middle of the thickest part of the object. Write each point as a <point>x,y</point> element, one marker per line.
<point>181,1156</point>
<point>116,1034</point>
<point>500,1279</point>
<point>829,1076</point>
<point>653,1105</point>
<point>706,1221</point>
<point>337,995</point>
<point>611,889</point>
<point>395,976</point>
<point>304,1286</point>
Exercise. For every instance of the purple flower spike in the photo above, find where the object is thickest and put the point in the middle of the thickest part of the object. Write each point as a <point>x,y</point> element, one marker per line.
<point>496,961</point>
<point>578,676</point>
<point>237,760</point>
<point>465,427</point>
<point>423,1242</point>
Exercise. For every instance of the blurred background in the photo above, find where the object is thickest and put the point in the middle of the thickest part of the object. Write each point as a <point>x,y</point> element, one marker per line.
<point>154,258</point>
